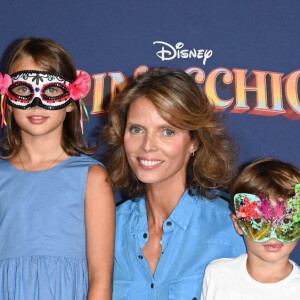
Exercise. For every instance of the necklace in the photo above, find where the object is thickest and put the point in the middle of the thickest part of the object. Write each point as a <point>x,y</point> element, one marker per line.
<point>48,167</point>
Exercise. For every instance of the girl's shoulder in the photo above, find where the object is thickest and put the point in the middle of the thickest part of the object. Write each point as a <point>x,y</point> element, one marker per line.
<point>82,160</point>
<point>81,163</point>
<point>5,165</point>
<point>86,167</point>
<point>4,161</point>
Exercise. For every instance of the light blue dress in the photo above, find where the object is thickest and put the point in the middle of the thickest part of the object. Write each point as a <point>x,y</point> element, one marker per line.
<point>42,231</point>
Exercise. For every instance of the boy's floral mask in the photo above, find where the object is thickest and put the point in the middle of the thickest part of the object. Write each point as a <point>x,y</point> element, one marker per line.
<point>261,220</point>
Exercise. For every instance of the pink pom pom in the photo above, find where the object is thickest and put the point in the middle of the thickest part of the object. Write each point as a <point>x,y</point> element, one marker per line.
<point>80,87</point>
<point>5,82</point>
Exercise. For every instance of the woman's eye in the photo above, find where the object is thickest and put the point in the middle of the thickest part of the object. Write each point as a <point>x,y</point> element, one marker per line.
<point>169,132</point>
<point>135,129</point>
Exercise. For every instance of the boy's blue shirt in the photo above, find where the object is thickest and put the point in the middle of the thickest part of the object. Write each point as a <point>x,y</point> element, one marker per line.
<point>198,231</point>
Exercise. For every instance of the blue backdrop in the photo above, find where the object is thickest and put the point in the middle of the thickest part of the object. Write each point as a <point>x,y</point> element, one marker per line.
<point>244,53</point>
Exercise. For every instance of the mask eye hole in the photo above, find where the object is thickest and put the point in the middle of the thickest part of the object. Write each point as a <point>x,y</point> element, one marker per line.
<point>22,90</point>
<point>53,91</point>
<point>258,221</point>
<point>286,221</point>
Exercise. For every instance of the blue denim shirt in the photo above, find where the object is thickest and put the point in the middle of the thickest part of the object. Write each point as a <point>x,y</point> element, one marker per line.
<point>198,231</point>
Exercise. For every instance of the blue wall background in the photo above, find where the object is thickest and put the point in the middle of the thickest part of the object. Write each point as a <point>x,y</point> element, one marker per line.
<point>118,36</point>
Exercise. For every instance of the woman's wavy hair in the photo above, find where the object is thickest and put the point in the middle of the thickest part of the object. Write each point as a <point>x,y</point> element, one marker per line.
<point>180,102</point>
<point>53,58</point>
<point>269,177</point>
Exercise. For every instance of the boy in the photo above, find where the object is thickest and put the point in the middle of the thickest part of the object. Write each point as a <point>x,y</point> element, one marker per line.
<point>267,213</point>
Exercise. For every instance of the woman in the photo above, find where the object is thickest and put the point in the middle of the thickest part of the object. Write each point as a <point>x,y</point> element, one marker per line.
<point>171,152</point>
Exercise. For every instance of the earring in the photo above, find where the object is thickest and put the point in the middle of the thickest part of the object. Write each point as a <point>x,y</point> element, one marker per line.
<point>193,153</point>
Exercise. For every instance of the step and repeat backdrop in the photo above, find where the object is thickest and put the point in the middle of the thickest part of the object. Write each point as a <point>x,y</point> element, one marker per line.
<point>244,54</point>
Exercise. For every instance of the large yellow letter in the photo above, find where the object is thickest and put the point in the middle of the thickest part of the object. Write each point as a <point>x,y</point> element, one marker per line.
<point>211,87</point>
<point>118,82</point>
<point>98,93</point>
<point>291,94</point>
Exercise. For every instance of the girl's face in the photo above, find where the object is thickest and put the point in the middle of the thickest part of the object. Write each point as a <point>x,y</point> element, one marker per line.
<point>156,151</point>
<point>37,121</point>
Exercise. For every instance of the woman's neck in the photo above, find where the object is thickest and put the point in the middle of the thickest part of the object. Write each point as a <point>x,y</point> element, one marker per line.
<point>161,201</point>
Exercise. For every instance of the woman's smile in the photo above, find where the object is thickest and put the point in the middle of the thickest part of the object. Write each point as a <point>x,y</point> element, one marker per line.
<point>149,163</point>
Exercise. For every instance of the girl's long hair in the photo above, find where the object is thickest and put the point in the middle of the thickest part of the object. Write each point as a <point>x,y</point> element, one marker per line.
<point>53,58</point>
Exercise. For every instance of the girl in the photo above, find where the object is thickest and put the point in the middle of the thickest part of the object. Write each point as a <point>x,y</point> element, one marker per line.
<point>56,204</point>
<point>171,152</point>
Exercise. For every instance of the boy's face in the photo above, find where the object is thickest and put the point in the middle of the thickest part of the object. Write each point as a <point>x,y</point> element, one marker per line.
<point>269,251</point>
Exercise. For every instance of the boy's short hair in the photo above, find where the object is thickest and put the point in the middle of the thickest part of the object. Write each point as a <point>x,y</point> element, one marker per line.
<point>268,177</point>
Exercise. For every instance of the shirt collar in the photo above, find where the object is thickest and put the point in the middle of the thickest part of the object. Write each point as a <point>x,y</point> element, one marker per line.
<point>140,219</point>
<point>183,211</point>
<point>181,214</point>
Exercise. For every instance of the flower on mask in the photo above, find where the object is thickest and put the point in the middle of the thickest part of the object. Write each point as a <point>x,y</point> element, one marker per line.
<point>80,87</point>
<point>248,210</point>
<point>5,82</point>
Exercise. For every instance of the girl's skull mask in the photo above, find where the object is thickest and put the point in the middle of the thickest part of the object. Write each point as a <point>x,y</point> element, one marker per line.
<point>38,88</point>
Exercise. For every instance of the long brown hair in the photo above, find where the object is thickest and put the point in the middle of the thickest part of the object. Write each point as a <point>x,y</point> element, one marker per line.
<point>53,58</point>
<point>180,102</point>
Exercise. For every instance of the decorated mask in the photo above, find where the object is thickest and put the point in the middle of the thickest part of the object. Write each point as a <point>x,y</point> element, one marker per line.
<point>38,88</point>
<point>261,220</point>
<point>30,88</point>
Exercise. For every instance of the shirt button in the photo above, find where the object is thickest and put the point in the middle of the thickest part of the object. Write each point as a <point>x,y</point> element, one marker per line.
<point>140,257</point>
<point>145,235</point>
<point>169,223</point>
<point>152,285</point>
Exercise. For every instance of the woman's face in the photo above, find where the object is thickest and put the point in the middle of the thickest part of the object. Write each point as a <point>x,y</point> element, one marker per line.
<point>157,152</point>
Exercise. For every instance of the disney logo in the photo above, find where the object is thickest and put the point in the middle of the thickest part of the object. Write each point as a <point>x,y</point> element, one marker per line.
<point>168,52</point>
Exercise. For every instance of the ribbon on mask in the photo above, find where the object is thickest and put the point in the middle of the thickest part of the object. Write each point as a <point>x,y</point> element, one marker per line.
<point>78,89</point>
<point>5,82</point>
